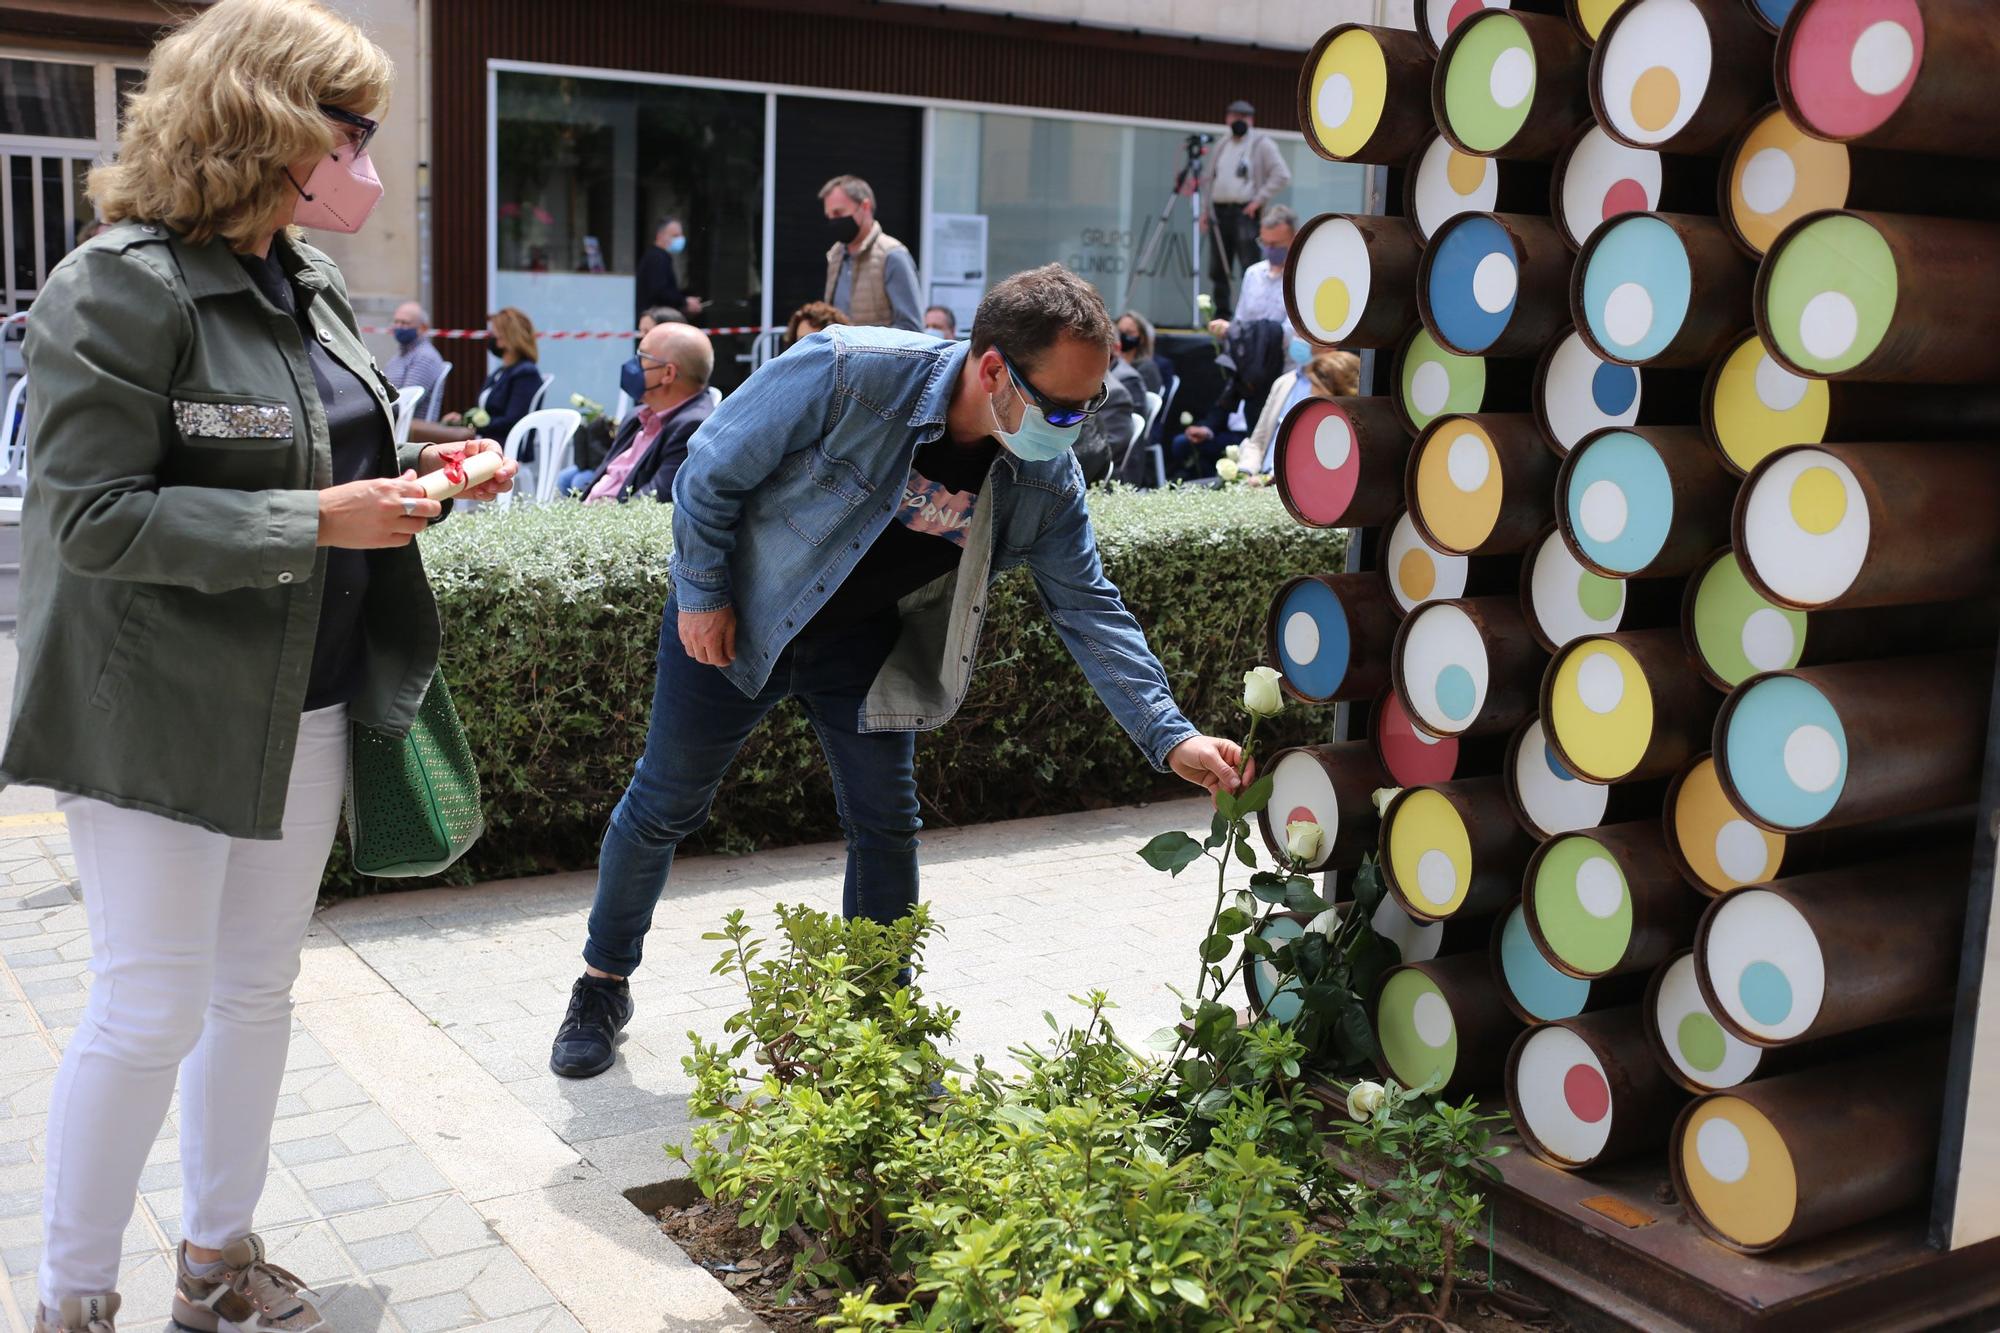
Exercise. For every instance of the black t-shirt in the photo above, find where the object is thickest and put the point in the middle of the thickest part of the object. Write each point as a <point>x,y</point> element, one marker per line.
<point>359,437</point>
<point>924,539</point>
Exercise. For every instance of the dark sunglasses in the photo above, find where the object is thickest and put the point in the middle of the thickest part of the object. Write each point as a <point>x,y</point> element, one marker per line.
<point>342,116</point>
<point>1056,414</point>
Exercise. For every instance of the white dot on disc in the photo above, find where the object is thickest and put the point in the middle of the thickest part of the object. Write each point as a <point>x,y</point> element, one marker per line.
<point>1603,511</point>
<point>1777,388</point>
<point>1724,1152</point>
<point>1513,77</point>
<point>1467,464</point>
<point>1332,442</point>
<point>1431,1017</point>
<point>1336,101</point>
<point>1628,313</point>
<point>1598,887</point>
<point>1600,683</point>
<point>1436,879</point>
<point>1429,388</point>
<point>1768,639</point>
<point>1302,637</point>
<point>1769,178</point>
<point>1881,58</point>
<point>1829,325</point>
<point>1494,282</point>
<point>1812,758</point>
<point>1740,851</point>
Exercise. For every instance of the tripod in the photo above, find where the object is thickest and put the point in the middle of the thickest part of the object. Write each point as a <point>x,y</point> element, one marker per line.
<point>1158,243</point>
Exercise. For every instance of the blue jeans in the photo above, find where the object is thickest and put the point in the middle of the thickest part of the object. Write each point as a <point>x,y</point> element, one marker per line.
<point>572,479</point>
<point>700,721</point>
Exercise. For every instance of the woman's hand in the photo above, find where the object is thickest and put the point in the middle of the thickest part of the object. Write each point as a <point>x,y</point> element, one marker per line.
<point>433,457</point>
<point>452,419</point>
<point>379,512</point>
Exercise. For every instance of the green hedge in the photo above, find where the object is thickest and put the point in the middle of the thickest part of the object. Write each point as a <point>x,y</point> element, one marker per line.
<point>552,617</point>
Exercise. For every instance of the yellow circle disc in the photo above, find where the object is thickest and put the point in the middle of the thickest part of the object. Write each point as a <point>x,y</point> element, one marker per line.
<point>1739,1173</point>
<point>1819,501</point>
<point>1430,854</point>
<point>1601,711</point>
<point>1595,14</point>
<point>1760,407</point>
<point>1416,574</point>
<point>1350,86</point>
<point>1459,486</point>
<point>1331,304</point>
<point>1656,96</point>
<point>1725,850</point>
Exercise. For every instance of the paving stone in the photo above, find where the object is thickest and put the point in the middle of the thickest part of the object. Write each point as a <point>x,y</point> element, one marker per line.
<point>435,1314</point>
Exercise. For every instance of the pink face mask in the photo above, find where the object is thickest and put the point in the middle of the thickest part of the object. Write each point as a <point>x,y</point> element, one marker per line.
<point>340,194</point>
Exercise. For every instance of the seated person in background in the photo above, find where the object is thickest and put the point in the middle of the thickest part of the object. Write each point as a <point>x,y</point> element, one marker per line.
<point>1106,443</point>
<point>941,323</point>
<point>811,318</point>
<point>510,389</point>
<point>668,379</point>
<point>1193,452</point>
<point>1315,373</point>
<point>1135,348</point>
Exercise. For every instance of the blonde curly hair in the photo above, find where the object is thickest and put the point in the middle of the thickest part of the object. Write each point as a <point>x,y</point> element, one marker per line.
<point>231,99</point>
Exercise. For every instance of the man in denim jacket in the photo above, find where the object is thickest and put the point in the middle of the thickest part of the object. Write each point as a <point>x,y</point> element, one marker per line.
<point>836,526</point>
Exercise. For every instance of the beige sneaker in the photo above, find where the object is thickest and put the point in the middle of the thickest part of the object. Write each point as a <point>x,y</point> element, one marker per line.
<point>80,1314</point>
<point>248,1294</point>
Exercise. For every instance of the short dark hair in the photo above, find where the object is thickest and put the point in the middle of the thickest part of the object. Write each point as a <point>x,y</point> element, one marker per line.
<point>819,314</point>
<point>853,187</point>
<point>944,310</point>
<point>664,314</point>
<point>1030,312</point>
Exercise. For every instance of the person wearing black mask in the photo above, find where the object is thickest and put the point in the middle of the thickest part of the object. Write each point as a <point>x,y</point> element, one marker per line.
<point>1238,177</point>
<point>1135,348</point>
<point>870,276</point>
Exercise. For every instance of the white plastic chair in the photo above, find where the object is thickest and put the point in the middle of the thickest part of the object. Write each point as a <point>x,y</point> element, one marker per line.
<point>554,430</point>
<point>406,410</point>
<point>541,397</point>
<point>1154,402</point>
<point>714,396</point>
<point>14,443</point>
<point>623,410</point>
<point>437,392</point>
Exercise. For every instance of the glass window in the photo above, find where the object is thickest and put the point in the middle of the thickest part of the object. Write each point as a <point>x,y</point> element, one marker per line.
<point>48,99</point>
<point>128,82</point>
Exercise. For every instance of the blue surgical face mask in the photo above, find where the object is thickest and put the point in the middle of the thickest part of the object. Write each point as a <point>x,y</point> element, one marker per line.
<point>677,244</point>
<point>1035,441</point>
<point>1299,350</point>
<point>632,379</point>
<point>1274,255</point>
<point>406,337</point>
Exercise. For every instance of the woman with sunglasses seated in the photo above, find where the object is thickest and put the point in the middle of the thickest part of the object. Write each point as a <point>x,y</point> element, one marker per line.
<point>218,578</point>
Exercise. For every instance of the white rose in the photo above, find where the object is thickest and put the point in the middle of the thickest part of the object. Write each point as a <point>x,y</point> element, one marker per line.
<point>1227,469</point>
<point>1261,696</point>
<point>1233,453</point>
<point>1326,923</point>
<point>1384,795</point>
<point>1364,1099</point>
<point>1302,839</point>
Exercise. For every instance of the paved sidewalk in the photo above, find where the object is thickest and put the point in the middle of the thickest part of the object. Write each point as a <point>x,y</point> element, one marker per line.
<point>427,1164</point>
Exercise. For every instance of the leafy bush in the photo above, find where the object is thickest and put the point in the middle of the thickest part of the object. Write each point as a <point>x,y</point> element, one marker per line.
<point>552,620</point>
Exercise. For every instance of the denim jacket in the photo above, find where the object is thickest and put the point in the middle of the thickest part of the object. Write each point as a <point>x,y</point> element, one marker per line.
<point>797,472</point>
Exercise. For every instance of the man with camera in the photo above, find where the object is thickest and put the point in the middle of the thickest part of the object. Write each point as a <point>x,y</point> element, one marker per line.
<point>1239,176</point>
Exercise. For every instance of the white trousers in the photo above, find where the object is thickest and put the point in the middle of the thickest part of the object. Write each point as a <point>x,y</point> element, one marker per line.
<point>195,941</point>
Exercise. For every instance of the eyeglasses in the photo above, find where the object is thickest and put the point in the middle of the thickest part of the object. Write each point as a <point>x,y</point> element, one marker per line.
<point>1056,414</point>
<point>365,126</point>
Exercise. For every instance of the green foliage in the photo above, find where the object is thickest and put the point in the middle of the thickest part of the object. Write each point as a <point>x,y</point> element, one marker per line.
<point>552,622</point>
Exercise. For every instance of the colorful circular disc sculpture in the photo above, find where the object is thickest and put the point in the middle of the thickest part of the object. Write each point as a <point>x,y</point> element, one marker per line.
<point>1617,502</point>
<point>1764,965</point>
<point>1313,641</point>
<point>1738,1172</point>
<point>1592,15</point>
<point>1784,752</point>
<point>1804,527</point>
<point>1637,285</point>
<point>1320,461</point>
<point>1562,1095</point>
<point>1738,632</point>
<point>1458,484</point>
<point>1301,790</point>
<point>1414,1023</point>
<point>1853,62</point>
<point>1568,601</point>
<point>1554,799</point>
<point>1723,849</point>
<point>1489,82</point>
<point>1434,382</point>
<point>1601,709</point>
<point>1332,276</point>
<point>1774,12</point>
<point>1582,905</point>
<point>1429,853</point>
<point>1445,671</point>
<point>1828,294</point>
<point>1440,18</point>
<point>1603,179</point>
<point>1581,392</point>
<point>1350,87</point>
<point>1777,174</point>
<point>1280,1002</point>
<point>1652,72</point>
<point>1538,988</point>
<point>1475,278</point>
<point>1756,407</point>
<point>1450,182</point>
<point>1413,758</point>
<point>1704,1055</point>
<point>1418,572</point>
<point>1415,941</point>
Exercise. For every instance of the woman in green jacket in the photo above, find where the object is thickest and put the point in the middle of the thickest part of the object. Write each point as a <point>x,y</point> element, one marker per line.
<point>218,576</point>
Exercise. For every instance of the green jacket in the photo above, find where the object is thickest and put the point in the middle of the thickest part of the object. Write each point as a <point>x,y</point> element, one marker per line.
<point>170,566</point>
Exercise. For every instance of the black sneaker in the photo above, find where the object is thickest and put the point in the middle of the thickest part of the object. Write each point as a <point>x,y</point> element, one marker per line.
<point>599,1009</point>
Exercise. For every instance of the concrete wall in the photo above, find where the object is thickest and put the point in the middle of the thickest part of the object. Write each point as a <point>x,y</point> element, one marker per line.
<point>1292,24</point>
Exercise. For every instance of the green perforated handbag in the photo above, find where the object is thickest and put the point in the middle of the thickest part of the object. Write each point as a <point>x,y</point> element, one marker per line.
<point>413,804</point>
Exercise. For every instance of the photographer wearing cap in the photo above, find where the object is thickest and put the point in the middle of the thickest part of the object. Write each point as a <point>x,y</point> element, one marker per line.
<point>1240,175</point>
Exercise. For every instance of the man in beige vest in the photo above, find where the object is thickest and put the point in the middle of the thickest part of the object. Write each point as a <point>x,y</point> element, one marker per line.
<point>870,276</point>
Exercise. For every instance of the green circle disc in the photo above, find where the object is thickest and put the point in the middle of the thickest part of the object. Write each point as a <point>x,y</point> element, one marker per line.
<point>1737,631</point>
<point>1435,383</point>
<point>1489,87</point>
<point>1414,1024</point>
<point>1831,294</point>
<point>1583,905</point>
